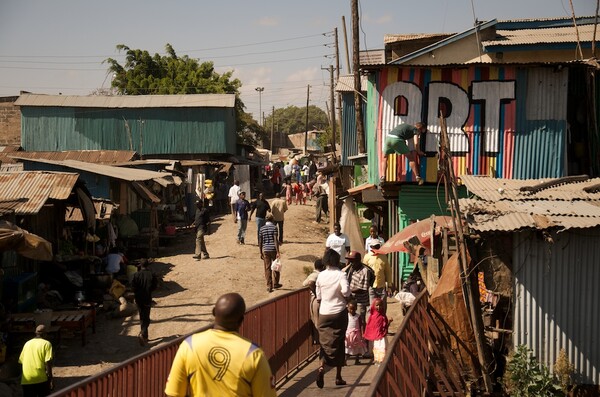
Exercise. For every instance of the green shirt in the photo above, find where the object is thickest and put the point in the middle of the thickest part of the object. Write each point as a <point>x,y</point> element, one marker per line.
<point>34,356</point>
<point>404,131</point>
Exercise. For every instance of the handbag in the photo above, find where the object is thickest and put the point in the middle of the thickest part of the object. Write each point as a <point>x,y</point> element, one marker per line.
<point>276,265</point>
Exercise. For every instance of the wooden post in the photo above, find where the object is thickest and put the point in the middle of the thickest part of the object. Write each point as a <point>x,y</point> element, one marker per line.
<point>333,216</point>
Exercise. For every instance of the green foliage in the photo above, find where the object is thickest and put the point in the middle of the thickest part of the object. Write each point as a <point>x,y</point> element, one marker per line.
<point>525,377</point>
<point>324,139</point>
<point>292,119</point>
<point>145,74</point>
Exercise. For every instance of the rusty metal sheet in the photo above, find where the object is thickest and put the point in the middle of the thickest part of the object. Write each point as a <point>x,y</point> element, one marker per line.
<point>89,156</point>
<point>129,101</point>
<point>496,189</point>
<point>34,188</point>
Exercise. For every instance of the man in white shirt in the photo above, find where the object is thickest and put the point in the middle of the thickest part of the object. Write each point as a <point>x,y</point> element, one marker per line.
<point>234,193</point>
<point>338,242</point>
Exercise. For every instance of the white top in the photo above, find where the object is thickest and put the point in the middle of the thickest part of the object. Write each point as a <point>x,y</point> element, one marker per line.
<point>338,244</point>
<point>369,240</point>
<point>332,290</point>
<point>234,194</point>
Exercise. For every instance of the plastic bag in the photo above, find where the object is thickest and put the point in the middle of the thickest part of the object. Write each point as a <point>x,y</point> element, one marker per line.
<point>276,265</point>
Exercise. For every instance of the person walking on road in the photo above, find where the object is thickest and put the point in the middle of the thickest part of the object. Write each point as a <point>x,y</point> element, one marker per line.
<point>219,362</point>
<point>360,278</point>
<point>143,283</point>
<point>241,209</point>
<point>373,236</point>
<point>234,195</point>
<point>332,292</point>
<point>278,209</point>
<point>261,206</point>
<point>338,242</point>
<point>202,225</point>
<point>36,360</point>
<point>383,274</point>
<point>268,243</point>
<point>321,192</point>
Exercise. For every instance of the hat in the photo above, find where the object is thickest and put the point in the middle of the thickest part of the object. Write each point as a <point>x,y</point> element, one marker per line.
<point>353,255</point>
<point>375,243</point>
<point>40,329</point>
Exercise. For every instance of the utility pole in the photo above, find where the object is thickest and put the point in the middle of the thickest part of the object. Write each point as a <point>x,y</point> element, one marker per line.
<point>471,302</point>
<point>306,133</point>
<point>346,45</point>
<point>260,91</point>
<point>360,129</point>
<point>332,102</point>
<point>272,128</point>
<point>339,95</point>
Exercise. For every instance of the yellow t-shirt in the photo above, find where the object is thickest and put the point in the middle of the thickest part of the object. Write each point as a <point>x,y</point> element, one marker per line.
<point>381,267</point>
<point>220,363</point>
<point>36,352</point>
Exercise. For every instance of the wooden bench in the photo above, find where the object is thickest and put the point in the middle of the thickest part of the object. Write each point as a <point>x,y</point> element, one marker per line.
<point>74,320</point>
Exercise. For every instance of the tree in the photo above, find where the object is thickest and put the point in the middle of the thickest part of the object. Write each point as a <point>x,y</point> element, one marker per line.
<point>292,119</point>
<point>145,74</point>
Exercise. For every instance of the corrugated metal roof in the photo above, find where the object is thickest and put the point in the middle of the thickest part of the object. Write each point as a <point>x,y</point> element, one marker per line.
<point>36,187</point>
<point>346,83</point>
<point>126,174</point>
<point>543,36</point>
<point>102,208</point>
<point>496,189</point>
<point>505,207</point>
<point>129,101</point>
<point>395,38</point>
<point>88,156</point>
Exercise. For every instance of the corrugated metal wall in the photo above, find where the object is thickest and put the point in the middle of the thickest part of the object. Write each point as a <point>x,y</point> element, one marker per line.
<point>557,296</point>
<point>504,122</point>
<point>349,142</point>
<point>153,131</point>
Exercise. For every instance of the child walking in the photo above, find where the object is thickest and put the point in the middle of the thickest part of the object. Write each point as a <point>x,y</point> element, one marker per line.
<point>355,345</point>
<point>376,330</point>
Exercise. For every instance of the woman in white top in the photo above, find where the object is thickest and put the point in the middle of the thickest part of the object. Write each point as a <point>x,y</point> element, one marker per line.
<point>332,291</point>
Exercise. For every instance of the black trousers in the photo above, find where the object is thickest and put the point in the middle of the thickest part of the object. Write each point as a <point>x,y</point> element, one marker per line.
<point>144,311</point>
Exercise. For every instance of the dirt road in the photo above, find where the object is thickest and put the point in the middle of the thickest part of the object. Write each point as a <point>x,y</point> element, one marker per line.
<point>190,288</point>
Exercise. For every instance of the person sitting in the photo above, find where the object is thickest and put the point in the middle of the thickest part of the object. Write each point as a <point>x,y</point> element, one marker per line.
<point>115,262</point>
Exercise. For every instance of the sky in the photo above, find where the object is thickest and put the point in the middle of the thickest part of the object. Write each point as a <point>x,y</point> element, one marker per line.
<point>58,47</point>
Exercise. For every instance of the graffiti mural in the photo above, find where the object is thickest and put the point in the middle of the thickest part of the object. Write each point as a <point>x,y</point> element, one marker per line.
<point>493,115</point>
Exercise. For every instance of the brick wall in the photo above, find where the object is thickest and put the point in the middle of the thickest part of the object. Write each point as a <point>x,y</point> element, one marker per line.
<point>10,122</point>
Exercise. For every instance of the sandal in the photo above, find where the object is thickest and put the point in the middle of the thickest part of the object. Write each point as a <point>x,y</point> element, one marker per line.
<point>340,382</point>
<point>320,378</point>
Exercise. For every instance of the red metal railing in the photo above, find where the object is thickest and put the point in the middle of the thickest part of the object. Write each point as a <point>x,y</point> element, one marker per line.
<point>419,362</point>
<point>280,326</point>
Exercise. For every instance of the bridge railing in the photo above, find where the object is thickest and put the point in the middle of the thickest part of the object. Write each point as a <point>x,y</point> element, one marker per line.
<point>419,362</point>
<point>281,326</point>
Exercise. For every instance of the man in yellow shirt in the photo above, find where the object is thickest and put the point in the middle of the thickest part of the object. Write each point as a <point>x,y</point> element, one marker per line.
<point>36,359</point>
<point>219,362</point>
<point>383,273</point>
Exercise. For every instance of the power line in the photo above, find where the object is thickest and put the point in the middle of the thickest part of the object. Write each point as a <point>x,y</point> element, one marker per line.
<point>163,53</point>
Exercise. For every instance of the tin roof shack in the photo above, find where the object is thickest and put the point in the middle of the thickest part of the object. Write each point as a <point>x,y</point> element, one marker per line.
<point>38,202</point>
<point>167,125</point>
<point>517,97</point>
<point>136,191</point>
<point>536,243</point>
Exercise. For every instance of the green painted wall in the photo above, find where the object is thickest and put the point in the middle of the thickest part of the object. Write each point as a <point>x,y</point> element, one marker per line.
<point>152,130</point>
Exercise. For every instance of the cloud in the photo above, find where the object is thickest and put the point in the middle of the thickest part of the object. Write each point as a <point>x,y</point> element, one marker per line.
<point>302,75</point>
<point>382,20</point>
<point>268,21</point>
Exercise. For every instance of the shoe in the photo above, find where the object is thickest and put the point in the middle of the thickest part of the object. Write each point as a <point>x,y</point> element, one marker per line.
<point>340,382</point>
<point>242,241</point>
<point>206,257</point>
<point>382,179</point>
<point>420,181</point>
<point>277,286</point>
<point>196,256</point>
<point>141,339</point>
<point>320,378</point>
<point>269,289</point>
